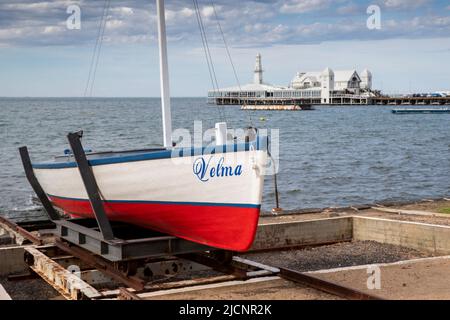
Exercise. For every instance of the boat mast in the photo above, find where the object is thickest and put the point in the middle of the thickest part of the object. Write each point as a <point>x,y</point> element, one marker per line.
<point>164,75</point>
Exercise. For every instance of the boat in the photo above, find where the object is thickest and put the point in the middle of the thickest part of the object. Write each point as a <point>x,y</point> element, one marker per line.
<point>280,107</point>
<point>209,195</point>
<point>418,111</point>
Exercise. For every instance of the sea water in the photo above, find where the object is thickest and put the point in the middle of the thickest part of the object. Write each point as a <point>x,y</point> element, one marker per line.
<point>333,156</point>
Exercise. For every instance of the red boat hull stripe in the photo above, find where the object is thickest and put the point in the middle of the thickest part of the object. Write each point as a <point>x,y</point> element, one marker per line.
<point>228,227</point>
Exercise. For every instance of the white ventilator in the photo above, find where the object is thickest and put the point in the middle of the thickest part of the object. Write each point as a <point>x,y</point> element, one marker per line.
<point>221,133</point>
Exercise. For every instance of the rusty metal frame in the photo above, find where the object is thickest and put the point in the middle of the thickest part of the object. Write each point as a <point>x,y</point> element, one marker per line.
<point>66,283</point>
<point>124,271</point>
<point>107,267</point>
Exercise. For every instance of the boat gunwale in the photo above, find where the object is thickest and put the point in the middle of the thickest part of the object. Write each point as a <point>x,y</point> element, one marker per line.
<point>260,143</point>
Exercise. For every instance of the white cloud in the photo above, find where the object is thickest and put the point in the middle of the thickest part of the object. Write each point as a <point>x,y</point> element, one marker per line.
<point>39,5</point>
<point>187,12</point>
<point>179,16</point>
<point>208,11</point>
<point>53,29</point>
<point>400,4</point>
<point>246,23</point>
<point>303,6</point>
<point>123,11</point>
<point>349,9</point>
<point>115,24</point>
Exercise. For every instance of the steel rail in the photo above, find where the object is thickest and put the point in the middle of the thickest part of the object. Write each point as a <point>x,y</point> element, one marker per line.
<point>251,269</point>
<point>102,265</point>
<point>326,286</point>
<point>21,231</point>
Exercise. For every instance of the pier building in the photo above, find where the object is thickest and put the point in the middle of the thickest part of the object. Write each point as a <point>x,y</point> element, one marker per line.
<point>318,87</point>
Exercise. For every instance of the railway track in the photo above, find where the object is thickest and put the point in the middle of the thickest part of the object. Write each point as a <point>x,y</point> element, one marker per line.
<point>78,274</point>
<point>51,264</point>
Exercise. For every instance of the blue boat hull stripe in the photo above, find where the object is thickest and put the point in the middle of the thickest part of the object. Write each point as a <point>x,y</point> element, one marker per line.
<point>200,204</point>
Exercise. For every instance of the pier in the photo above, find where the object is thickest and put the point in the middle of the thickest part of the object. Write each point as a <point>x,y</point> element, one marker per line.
<point>336,99</point>
<point>327,87</point>
<point>411,101</point>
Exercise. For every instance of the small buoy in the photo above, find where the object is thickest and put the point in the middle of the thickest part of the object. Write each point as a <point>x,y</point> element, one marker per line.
<point>262,119</point>
<point>277,211</point>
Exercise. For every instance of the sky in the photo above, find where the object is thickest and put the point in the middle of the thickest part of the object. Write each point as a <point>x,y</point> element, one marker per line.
<point>41,57</point>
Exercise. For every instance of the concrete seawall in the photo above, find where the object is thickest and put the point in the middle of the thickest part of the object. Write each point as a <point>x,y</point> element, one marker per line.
<point>420,236</point>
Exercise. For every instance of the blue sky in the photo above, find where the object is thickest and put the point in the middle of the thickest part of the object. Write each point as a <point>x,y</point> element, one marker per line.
<point>39,56</point>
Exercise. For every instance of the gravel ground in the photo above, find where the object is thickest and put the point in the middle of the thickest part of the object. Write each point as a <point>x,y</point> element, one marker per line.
<point>336,256</point>
<point>36,289</point>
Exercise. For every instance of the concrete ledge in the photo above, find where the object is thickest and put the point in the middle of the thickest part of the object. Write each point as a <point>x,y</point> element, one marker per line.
<point>12,261</point>
<point>3,294</point>
<point>304,233</point>
<point>419,236</point>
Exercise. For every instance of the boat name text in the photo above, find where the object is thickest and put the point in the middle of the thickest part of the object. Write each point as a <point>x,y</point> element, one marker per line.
<point>205,171</point>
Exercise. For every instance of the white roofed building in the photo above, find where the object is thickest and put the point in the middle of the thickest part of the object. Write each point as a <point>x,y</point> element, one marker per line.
<point>347,80</point>
<point>343,79</point>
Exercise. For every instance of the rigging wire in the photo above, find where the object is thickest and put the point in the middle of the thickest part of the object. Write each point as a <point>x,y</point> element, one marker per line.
<point>94,52</point>
<point>97,49</point>
<point>209,60</point>
<point>105,20</point>
<point>204,46</point>
<point>227,48</point>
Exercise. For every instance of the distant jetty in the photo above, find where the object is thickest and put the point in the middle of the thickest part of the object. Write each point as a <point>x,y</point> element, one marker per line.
<point>420,111</point>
